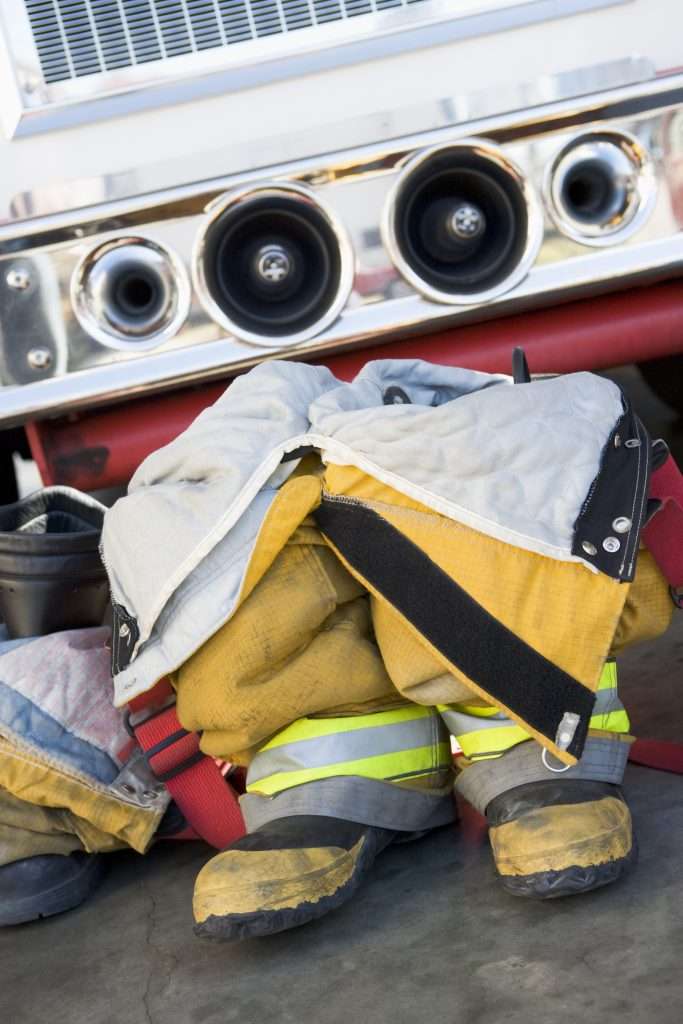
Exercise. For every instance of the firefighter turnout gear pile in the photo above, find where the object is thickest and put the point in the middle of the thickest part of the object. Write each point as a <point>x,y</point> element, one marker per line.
<point>341,584</point>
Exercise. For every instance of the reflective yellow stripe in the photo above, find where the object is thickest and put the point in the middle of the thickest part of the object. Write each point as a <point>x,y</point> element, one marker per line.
<point>401,764</point>
<point>611,721</point>
<point>608,678</point>
<point>495,742</point>
<point>312,728</point>
<point>479,743</point>
<point>615,720</point>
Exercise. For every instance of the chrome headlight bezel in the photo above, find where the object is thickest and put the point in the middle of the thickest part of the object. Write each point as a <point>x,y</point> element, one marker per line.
<point>534,226</point>
<point>273,189</point>
<point>89,278</point>
<point>622,154</point>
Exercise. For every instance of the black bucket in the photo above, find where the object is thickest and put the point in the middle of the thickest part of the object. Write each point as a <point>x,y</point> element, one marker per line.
<point>51,573</point>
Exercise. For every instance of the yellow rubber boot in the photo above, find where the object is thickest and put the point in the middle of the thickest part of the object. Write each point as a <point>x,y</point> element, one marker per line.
<point>559,838</point>
<point>283,875</point>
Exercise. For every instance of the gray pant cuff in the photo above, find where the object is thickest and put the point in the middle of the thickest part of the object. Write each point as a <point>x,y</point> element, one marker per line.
<point>352,798</point>
<point>603,760</point>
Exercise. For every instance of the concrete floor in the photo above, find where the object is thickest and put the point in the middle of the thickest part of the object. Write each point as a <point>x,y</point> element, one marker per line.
<point>430,937</point>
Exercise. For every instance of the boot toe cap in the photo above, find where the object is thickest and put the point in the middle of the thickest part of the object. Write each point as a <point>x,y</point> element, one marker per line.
<point>565,848</point>
<point>243,893</point>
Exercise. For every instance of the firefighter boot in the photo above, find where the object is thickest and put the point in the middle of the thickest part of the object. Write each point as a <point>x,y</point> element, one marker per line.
<point>45,885</point>
<point>284,874</point>
<point>560,837</point>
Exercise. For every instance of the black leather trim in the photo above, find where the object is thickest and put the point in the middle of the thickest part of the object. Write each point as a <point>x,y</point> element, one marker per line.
<point>531,796</point>
<point>619,491</point>
<point>125,633</point>
<point>310,831</point>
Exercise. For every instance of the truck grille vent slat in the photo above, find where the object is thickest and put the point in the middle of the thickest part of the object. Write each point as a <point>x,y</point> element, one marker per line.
<point>87,37</point>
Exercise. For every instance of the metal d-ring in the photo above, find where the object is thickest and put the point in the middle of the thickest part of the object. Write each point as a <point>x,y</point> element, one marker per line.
<point>556,771</point>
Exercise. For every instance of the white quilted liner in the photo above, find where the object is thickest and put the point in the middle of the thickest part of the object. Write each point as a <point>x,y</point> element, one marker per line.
<point>65,677</point>
<point>515,462</point>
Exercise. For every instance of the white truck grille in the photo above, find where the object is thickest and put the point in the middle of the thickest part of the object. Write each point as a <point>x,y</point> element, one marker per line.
<point>75,38</point>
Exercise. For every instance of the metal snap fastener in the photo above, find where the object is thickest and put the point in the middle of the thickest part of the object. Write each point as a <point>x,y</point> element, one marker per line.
<point>39,358</point>
<point>467,221</point>
<point>589,548</point>
<point>621,524</point>
<point>611,544</point>
<point>18,279</point>
<point>274,263</point>
<point>124,630</point>
<point>617,440</point>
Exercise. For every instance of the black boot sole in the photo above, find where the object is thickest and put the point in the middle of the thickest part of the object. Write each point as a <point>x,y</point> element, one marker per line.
<point>236,927</point>
<point>570,881</point>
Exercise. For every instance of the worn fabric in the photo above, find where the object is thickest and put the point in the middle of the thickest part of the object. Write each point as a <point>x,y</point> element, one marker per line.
<point>30,830</point>
<point>482,731</point>
<point>535,648</point>
<point>300,644</point>
<point>513,462</point>
<point>55,693</point>
<point>64,747</point>
<point>473,513</point>
<point>648,607</point>
<point>225,575</point>
<point>27,830</point>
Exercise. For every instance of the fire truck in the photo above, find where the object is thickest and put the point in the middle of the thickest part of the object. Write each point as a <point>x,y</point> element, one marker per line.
<point>190,187</point>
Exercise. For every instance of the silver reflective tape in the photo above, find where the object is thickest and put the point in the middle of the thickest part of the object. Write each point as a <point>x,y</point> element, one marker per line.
<point>607,701</point>
<point>339,747</point>
<point>459,723</point>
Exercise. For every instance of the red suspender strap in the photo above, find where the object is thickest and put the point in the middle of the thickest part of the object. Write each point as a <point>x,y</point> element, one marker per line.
<point>205,797</point>
<point>663,535</point>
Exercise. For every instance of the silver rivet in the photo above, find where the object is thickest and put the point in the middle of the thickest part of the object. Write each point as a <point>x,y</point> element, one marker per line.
<point>39,358</point>
<point>273,263</point>
<point>124,630</point>
<point>621,524</point>
<point>589,548</point>
<point>127,789</point>
<point>617,440</point>
<point>18,279</point>
<point>611,544</point>
<point>467,221</point>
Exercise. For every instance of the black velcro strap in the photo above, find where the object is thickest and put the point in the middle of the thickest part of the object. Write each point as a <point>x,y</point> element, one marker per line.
<point>488,653</point>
